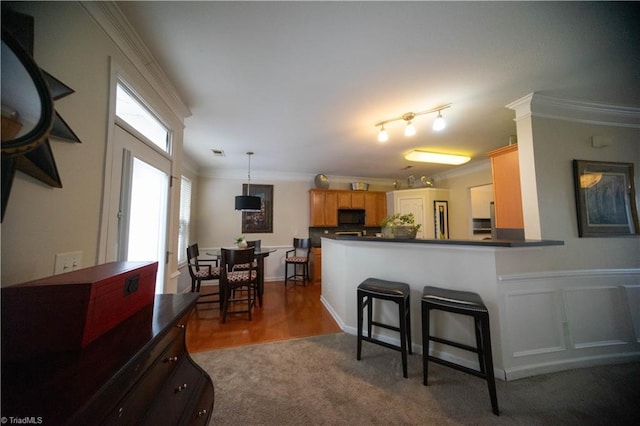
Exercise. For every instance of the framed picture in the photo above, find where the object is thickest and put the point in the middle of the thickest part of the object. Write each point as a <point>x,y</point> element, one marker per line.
<point>605,198</point>
<point>441,219</point>
<point>259,222</point>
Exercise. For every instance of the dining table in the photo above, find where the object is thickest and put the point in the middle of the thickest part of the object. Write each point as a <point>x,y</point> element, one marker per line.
<point>259,255</point>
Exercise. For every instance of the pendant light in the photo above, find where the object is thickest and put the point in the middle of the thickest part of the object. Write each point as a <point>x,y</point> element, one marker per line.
<point>248,203</point>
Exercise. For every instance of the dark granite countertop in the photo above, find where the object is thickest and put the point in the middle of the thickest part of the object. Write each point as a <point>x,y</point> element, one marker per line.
<point>477,243</point>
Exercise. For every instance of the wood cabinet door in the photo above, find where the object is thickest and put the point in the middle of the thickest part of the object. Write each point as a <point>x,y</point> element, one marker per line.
<point>330,209</point>
<point>316,208</point>
<point>357,200</point>
<point>506,188</point>
<point>381,207</point>
<point>344,199</point>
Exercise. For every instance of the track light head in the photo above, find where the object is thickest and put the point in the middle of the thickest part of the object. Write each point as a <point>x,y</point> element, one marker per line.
<point>439,123</point>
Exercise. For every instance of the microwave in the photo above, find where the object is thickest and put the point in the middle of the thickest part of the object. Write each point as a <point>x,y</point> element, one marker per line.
<point>350,217</point>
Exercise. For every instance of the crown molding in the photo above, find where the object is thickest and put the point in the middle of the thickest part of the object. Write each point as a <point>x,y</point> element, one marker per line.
<point>537,105</point>
<point>112,21</point>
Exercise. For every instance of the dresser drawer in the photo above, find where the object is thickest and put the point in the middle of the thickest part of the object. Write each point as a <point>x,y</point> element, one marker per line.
<point>200,412</point>
<point>173,399</point>
<point>132,407</point>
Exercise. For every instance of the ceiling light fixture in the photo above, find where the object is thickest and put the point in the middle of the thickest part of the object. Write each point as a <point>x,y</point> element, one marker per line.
<point>434,157</point>
<point>408,117</point>
<point>383,136</point>
<point>246,202</point>
<point>439,123</point>
<point>410,130</point>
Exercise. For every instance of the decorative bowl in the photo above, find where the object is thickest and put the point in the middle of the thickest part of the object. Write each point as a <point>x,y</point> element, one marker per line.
<point>359,186</point>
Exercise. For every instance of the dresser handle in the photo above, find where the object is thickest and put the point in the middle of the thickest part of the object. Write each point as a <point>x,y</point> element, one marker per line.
<point>180,326</point>
<point>171,359</point>
<point>202,413</point>
<point>181,388</point>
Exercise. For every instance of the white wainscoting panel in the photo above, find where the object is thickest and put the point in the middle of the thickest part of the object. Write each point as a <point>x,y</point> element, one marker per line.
<point>596,317</point>
<point>633,303</point>
<point>540,314</point>
<point>557,320</point>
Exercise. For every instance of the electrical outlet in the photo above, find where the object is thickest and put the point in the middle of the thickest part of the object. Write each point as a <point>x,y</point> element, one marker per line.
<point>67,262</point>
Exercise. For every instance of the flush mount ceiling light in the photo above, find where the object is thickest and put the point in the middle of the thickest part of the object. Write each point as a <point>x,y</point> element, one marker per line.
<point>247,202</point>
<point>434,157</point>
<point>408,117</point>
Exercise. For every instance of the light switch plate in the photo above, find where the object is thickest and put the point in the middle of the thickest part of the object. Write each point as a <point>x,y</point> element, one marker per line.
<point>67,262</point>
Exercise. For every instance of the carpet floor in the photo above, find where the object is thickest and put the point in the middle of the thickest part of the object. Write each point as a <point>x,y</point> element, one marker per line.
<point>318,381</point>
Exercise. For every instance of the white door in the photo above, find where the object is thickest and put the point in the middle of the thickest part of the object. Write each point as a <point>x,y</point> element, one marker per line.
<point>415,206</point>
<point>137,228</point>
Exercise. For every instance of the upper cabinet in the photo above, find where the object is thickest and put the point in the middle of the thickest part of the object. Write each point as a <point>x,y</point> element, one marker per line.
<point>507,197</point>
<point>324,205</point>
<point>323,208</point>
<point>375,205</point>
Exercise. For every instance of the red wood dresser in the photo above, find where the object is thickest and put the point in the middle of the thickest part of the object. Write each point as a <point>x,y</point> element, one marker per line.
<point>138,372</point>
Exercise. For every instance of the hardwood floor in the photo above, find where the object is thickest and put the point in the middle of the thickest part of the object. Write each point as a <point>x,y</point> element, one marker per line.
<point>287,313</point>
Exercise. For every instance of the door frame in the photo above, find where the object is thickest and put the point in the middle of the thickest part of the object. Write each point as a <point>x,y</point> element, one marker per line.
<point>111,191</point>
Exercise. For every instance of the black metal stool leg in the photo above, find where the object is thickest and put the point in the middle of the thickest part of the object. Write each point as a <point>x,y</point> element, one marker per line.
<point>360,314</point>
<point>488,361</point>
<point>403,336</point>
<point>425,343</point>
<point>408,320</point>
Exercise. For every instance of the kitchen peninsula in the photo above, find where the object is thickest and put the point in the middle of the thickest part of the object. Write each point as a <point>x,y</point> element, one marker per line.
<point>542,320</point>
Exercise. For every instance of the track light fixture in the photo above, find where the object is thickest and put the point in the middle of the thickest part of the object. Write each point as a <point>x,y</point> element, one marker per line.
<point>408,117</point>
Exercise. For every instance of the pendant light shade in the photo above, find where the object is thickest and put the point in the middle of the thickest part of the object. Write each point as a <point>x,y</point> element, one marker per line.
<point>248,203</point>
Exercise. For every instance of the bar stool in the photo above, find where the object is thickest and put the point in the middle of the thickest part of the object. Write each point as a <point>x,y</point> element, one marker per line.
<point>373,288</point>
<point>464,303</point>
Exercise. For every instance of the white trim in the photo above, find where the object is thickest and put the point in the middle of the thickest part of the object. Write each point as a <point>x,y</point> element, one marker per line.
<point>561,365</point>
<point>577,111</point>
<point>113,22</point>
<point>570,274</point>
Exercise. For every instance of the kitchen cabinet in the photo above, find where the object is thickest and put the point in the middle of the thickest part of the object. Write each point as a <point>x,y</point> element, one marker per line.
<point>375,205</point>
<point>323,208</point>
<point>505,170</point>
<point>350,199</point>
<point>420,202</point>
<point>316,265</point>
<point>324,205</point>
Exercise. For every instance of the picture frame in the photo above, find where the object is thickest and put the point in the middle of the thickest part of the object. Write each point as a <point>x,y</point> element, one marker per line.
<point>259,222</point>
<point>441,219</point>
<point>605,198</point>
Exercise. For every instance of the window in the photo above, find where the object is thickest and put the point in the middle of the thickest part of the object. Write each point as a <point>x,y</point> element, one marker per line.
<point>137,115</point>
<point>185,217</point>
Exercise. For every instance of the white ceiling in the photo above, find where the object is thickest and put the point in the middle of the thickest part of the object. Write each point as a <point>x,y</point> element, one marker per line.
<point>303,83</point>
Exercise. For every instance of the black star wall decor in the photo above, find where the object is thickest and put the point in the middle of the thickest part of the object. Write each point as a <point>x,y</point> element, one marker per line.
<point>29,119</point>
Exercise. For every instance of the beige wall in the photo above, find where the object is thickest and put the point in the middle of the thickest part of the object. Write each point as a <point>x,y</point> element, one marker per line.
<point>41,221</point>
<point>556,144</point>
<point>218,224</point>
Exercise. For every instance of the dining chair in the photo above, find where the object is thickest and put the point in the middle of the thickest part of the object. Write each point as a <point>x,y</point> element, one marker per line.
<point>232,279</point>
<point>202,270</point>
<point>298,256</point>
<point>257,244</point>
